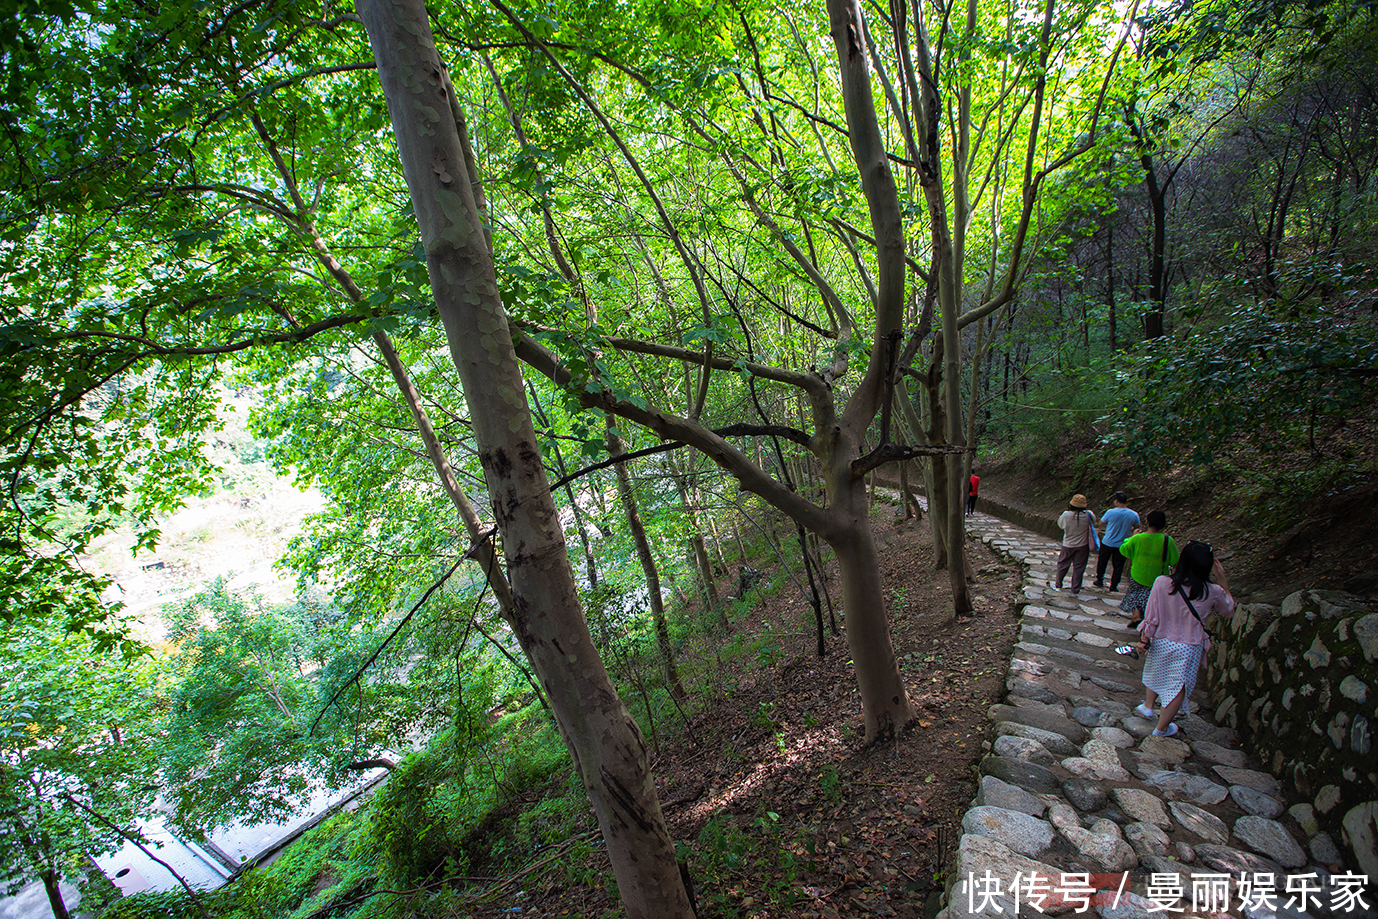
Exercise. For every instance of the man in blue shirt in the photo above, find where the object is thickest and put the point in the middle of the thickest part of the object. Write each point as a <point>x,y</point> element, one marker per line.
<point>1120,522</point>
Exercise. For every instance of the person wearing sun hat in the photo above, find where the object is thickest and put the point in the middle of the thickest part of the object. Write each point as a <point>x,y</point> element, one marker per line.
<point>1078,536</point>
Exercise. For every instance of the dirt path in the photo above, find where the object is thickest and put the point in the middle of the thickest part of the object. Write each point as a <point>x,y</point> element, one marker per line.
<point>779,808</point>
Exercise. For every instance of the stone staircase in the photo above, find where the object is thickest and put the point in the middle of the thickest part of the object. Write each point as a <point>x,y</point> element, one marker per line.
<point>1081,810</point>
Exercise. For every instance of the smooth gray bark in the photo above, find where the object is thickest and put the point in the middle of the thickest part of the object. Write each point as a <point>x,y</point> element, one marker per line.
<point>604,741</point>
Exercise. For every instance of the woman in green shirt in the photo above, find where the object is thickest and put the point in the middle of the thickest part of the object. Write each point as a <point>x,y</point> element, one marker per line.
<point>1150,555</point>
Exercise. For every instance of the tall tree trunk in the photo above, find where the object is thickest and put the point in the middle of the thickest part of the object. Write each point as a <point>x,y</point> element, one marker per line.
<point>883,697</point>
<point>648,564</point>
<point>52,884</point>
<point>602,737</point>
<point>973,406</point>
<point>1110,281</point>
<point>484,554</point>
<point>939,494</point>
<point>698,549</point>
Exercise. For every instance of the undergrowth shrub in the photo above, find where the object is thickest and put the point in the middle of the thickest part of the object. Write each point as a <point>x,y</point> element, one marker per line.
<point>1274,377</point>
<point>415,828</point>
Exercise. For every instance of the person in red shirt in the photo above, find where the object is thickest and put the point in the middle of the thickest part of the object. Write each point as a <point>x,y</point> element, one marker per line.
<point>971,492</point>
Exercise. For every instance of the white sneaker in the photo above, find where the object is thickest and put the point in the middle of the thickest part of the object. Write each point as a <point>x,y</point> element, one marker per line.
<point>1171,729</point>
<point>1144,710</point>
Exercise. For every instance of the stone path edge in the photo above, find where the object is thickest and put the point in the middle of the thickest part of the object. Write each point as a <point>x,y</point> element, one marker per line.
<point>1072,781</point>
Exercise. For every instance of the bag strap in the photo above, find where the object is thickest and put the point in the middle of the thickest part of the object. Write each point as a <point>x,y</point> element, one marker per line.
<point>1193,609</point>
<point>1164,564</point>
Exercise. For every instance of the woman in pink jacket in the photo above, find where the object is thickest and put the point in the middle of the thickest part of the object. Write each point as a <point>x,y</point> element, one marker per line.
<point>1174,631</point>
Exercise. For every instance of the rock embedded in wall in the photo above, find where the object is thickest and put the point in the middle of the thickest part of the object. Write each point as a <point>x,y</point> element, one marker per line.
<point>1300,683</point>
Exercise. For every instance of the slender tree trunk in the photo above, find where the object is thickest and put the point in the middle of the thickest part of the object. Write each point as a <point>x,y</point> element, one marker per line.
<point>699,551</point>
<point>648,565</point>
<point>974,404</point>
<point>939,494</point>
<point>484,554</point>
<point>602,737</point>
<point>590,565</point>
<point>713,532</point>
<point>1110,281</point>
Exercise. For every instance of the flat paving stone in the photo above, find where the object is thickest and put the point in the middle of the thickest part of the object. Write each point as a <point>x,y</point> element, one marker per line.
<point>1255,802</point>
<point>1057,724</point>
<point>1305,815</point>
<point>1028,776</point>
<point>1183,786</point>
<point>1053,743</point>
<point>1091,717</point>
<point>1055,708</point>
<point>1109,853</point>
<point>994,792</point>
<point>1022,833</point>
<point>1128,905</point>
<point>1085,794</point>
<point>1141,806</point>
<point>1167,748</point>
<point>1233,861</point>
<point>1270,838</point>
<point>1023,748</point>
<point>1200,822</point>
<point>1137,726</point>
<point>1146,839</point>
<point>1122,740</point>
<point>1260,781</point>
<point>1033,691</point>
<point>976,855</point>
<point>1215,753</point>
<point>1089,768</point>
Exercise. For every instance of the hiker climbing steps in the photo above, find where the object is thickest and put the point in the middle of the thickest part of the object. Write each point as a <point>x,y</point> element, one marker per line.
<point>1080,807</point>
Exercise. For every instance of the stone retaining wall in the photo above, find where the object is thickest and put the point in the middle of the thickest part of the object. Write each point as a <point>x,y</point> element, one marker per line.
<point>1300,684</point>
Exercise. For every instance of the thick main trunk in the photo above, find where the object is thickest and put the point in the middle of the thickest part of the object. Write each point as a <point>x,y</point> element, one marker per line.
<point>603,740</point>
<point>884,702</point>
<point>53,886</point>
<point>938,492</point>
<point>484,552</point>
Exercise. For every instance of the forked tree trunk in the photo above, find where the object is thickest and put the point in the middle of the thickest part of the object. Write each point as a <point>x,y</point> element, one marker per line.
<point>603,740</point>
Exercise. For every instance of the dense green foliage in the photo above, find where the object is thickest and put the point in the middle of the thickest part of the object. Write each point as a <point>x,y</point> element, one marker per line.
<point>1257,126</point>
<point>78,750</point>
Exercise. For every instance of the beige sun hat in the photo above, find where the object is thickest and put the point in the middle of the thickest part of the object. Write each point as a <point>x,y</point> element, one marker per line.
<point>1078,500</point>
